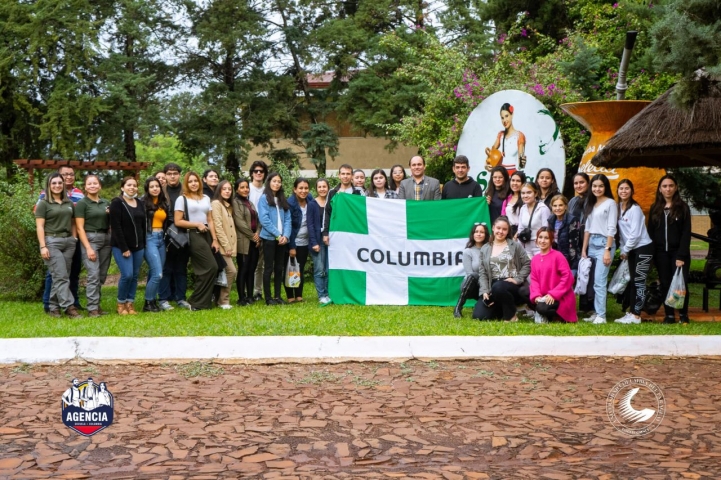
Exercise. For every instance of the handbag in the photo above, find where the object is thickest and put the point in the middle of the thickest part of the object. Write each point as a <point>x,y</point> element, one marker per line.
<point>178,236</point>
<point>222,279</point>
<point>292,274</point>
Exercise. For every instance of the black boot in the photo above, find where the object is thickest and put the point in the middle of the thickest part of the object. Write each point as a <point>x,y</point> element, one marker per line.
<point>148,306</point>
<point>155,306</point>
<point>468,287</point>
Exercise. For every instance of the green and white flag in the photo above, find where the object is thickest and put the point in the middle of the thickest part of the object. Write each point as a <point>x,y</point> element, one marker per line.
<point>397,252</point>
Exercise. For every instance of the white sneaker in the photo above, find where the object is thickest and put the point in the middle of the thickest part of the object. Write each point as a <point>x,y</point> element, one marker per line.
<point>324,300</point>
<point>183,304</point>
<point>629,319</point>
<point>598,320</point>
<point>226,307</point>
<point>623,319</point>
<point>166,306</point>
<point>538,318</point>
<point>591,318</point>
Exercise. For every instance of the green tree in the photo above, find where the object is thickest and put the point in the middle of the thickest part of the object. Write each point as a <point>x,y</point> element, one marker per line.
<point>63,47</point>
<point>134,72</point>
<point>550,18</point>
<point>685,40</point>
<point>228,64</point>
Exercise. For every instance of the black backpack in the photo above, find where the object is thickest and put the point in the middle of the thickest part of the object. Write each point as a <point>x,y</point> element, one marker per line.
<point>654,298</point>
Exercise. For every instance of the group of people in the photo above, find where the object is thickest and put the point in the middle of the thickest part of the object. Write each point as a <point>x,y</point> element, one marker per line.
<point>543,249</point>
<point>250,223</point>
<point>540,245</point>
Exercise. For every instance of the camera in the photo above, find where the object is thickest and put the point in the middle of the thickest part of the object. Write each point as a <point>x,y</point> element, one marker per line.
<point>525,236</point>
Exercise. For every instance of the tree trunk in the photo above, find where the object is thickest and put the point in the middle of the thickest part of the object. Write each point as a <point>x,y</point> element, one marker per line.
<point>231,163</point>
<point>129,131</point>
<point>129,141</point>
<point>300,71</point>
<point>320,168</point>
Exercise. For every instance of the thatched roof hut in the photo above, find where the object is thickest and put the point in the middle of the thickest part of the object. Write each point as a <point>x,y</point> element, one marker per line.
<point>664,136</point>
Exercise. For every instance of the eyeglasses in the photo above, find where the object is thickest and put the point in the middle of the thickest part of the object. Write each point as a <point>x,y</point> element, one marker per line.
<point>479,223</point>
<point>67,175</point>
<point>258,171</point>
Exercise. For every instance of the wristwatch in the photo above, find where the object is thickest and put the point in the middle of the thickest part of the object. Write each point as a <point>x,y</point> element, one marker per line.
<point>608,249</point>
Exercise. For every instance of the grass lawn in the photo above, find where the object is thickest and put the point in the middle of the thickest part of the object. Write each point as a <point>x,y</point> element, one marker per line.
<point>23,319</point>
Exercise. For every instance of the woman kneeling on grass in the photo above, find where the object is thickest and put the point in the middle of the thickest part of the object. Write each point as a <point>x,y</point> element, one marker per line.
<point>503,270</point>
<point>551,282</point>
<point>471,264</point>
<point>58,241</point>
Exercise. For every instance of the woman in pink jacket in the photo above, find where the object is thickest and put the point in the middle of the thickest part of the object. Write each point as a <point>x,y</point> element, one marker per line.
<point>551,282</point>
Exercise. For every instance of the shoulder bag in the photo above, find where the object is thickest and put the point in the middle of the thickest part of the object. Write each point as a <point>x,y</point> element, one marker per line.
<point>178,236</point>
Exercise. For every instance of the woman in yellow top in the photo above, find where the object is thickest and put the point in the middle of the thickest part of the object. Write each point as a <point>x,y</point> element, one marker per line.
<point>222,208</point>
<point>156,213</point>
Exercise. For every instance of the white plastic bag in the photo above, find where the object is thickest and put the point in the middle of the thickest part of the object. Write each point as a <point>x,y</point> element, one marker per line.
<point>292,274</point>
<point>222,279</point>
<point>677,291</point>
<point>620,279</point>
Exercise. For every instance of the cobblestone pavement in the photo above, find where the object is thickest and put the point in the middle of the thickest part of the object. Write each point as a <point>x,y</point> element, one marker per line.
<point>529,418</point>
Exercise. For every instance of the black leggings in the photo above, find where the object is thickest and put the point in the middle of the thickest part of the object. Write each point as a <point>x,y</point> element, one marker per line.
<point>639,263</point>
<point>505,296</point>
<point>548,311</point>
<point>273,255</point>
<point>666,266</point>
<point>246,272</point>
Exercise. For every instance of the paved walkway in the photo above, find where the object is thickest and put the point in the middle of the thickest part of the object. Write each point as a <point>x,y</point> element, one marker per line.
<point>535,418</point>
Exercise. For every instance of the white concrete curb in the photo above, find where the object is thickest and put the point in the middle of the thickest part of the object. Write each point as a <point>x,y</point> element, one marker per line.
<point>336,349</point>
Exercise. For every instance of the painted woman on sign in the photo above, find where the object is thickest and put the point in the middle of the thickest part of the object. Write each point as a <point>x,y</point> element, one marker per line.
<point>510,143</point>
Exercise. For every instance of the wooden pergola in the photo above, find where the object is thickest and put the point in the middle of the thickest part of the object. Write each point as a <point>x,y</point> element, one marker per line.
<point>32,165</point>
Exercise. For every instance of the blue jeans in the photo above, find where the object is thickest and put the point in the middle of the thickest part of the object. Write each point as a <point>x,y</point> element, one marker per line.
<point>320,270</point>
<point>155,257</point>
<point>129,268</point>
<point>596,249</point>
